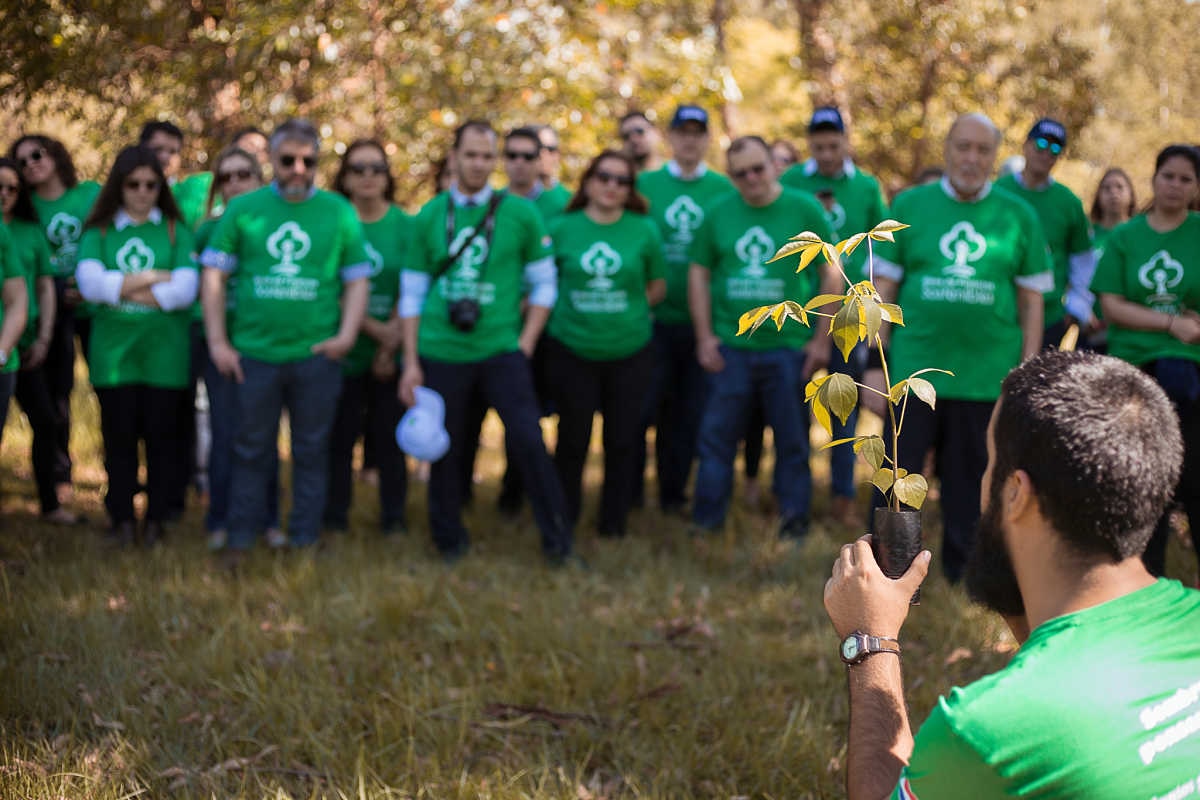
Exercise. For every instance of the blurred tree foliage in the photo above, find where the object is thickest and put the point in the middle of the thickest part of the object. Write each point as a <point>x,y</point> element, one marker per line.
<point>1116,71</point>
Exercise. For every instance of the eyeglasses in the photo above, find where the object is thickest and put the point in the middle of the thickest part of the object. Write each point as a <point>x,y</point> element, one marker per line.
<point>14,188</point>
<point>288,160</point>
<point>240,174</point>
<point>513,155</point>
<point>33,157</point>
<point>147,185</point>
<point>629,133</point>
<point>608,177</point>
<point>373,168</point>
<point>742,174</point>
<point>1043,143</point>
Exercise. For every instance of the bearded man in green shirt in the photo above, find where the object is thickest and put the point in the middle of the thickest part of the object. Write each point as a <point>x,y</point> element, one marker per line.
<point>1102,700</point>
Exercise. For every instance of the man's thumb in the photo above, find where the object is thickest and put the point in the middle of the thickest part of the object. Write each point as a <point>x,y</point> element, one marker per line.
<point>917,571</point>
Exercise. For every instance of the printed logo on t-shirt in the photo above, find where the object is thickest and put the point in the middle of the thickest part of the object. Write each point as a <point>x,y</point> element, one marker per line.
<point>962,246</point>
<point>601,262</point>
<point>473,255</point>
<point>684,215</point>
<point>135,256</point>
<point>375,258</point>
<point>1160,274</point>
<point>836,214</point>
<point>63,229</point>
<point>289,243</point>
<point>753,250</point>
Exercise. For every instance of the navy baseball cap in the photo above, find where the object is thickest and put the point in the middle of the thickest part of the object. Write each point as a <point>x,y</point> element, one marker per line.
<point>685,114</point>
<point>826,118</point>
<point>1047,128</point>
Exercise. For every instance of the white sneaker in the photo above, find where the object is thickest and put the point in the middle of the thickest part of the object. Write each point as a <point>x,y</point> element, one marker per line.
<point>276,539</point>
<point>217,539</point>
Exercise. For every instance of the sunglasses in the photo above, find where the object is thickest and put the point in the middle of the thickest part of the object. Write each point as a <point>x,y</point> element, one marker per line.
<point>629,133</point>
<point>608,177</point>
<point>288,160</point>
<point>373,168</point>
<point>1045,144</point>
<point>513,155</point>
<point>14,188</point>
<point>742,174</point>
<point>148,185</point>
<point>34,157</point>
<point>239,174</point>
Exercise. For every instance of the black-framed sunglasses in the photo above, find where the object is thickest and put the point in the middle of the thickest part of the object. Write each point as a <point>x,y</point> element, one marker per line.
<point>33,157</point>
<point>513,155</point>
<point>240,174</point>
<point>1043,143</point>
<point>373,168</point>
<point>150,185</point>
<point>629,133</point>
<point>609,177</point>
<point>288,160</point>
<point>742,174</point>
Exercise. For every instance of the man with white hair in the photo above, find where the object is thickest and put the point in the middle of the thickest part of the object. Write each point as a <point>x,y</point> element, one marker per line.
<point>969,275</point>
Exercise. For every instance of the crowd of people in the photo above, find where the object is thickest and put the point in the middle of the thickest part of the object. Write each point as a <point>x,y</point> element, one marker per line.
<point>260,292</point>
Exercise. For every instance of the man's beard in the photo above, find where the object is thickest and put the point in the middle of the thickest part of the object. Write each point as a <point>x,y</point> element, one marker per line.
<point>990,578</point>
<point>296,189</point>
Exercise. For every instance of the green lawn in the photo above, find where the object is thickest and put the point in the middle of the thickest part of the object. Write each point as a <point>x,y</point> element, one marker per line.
<point>671,668</point>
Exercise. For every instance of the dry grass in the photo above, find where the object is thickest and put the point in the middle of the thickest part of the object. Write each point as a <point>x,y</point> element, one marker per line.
<point>671,668</point>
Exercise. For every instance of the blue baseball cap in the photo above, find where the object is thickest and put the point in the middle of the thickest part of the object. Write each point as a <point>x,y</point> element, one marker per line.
<point>1047,128</point>
<point>685,114</point>
<point>826,118</point>
<point>422,430</point>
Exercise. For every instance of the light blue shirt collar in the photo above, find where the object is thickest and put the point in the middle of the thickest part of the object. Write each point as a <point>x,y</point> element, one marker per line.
<point>848,169</point>
<point>948,188</point>
<point>1019,177</point>
<point>122,220</point>
<point>478,199</point>
<point>676,171</point>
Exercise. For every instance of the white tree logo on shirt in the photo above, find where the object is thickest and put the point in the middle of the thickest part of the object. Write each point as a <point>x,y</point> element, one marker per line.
<point>375,258</point>
<point>473,255</point>
<point>63,229</point>
<point>684,215</point>
<point>962,245</point>
<point>601,262</point>
<point>753,250</point>
<point>135,256</point>
<point>289,243</point>
<point>836,216</point>
<point>1160,274</point>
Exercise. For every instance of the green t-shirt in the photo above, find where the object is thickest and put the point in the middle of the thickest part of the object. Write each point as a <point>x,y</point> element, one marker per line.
<point>858,203</point>
<point>10,267</point>
<point>602,313</point>
<point>552,202</point>
<point>34,255</point>
<point>63,221</point>
<point>290,261</point>
<point>1102,703</point>
<point>191,194</point>
<point>494,275</point>
<point>133,343</point>
<point>1156,270</point>
<point>387,242</point>
<point>678,207</point>
<point>961,263</point>
<point>1067,229</point>
<point>734,243</point>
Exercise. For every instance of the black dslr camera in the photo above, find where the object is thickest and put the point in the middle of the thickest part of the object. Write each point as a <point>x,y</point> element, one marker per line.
<point>464,314</point>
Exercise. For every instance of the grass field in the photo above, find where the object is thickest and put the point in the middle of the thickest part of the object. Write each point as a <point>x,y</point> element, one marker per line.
<point>670,668</point>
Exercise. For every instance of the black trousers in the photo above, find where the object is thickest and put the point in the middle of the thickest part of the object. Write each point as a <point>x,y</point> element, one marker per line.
<point>367,407</point>
<point>129,414</point>
<point>33,393</point>
<point>505,383</point>
<point>1187,493</point>
<point>957,432</point>
<point>60,380</point>
<point>617,389</point>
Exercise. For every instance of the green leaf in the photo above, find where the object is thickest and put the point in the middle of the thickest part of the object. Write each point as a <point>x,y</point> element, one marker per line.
<point>824,299</point>
<point>752,319</point>
<point>848,246</point>
<point>924,390</point>
<point>840,395</point>
<point>872,449</point>
<point>847,328</point>
<point>892,313</point>
<point>882,479</point>
<point>911,490</point>
<point>872,316</point>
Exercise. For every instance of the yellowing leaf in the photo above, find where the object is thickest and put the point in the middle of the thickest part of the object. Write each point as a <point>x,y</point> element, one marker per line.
<point>836,442</point>
<point>872,316</point>
<point>795,311</point>
<point>847,329</point>
<point>848,246</point>
<point>839,394</point>
<point>807,237</point>
<point>924,390</point>
<point>831,255</point>
<point>824,299</point>
<point>892,313</point>
<point>872,449</point>
<point>882,479</point>
<point>791,248</point>
<point>752,319</point>
<point>821,413</point>
<point>911,490</point>
<point>896,393</point>
<point>884,230</point>
<point>813,385</point>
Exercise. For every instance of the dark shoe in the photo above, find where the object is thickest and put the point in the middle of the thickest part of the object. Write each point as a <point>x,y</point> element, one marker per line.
<point>393,529</point>
<point>120,535</point>
<point>453,555</point>
<point>153,534</point>
<point>509,505</point>
<point>335,525</point>
<point>794,528</point>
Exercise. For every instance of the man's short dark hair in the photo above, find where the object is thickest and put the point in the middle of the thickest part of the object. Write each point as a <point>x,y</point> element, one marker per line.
<point>295,130</point>
<point>246,131</point>
<point>525,132</point>
<point>634,114</point>
<point>159,126</point>
<point>1100,442</point>
<point>477,125</point>
<point>742,142</point>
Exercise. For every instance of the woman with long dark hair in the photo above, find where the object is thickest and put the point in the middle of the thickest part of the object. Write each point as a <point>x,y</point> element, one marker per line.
<point>597,346</point>
<point>136,263</point>
<point>1114,204</point>
<point>1148,282</point>
<point>62,203</point>
<point>369,403</point>
<point>33,388</point>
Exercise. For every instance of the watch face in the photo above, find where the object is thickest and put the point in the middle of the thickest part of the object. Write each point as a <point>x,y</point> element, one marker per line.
<point>850,648</point>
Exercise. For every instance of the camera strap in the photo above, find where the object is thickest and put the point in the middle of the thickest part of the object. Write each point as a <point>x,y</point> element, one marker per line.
<point>488,225</point>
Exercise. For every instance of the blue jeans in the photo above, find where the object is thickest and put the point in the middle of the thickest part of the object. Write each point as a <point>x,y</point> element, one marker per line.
<point>771,377</point>
<point>222,410</point>
<point>842,458</point>
<point>309,390</point>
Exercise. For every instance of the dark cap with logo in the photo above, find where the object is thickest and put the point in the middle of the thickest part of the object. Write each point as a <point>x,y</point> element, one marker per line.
<point>1047,128</point>
<point>826,118</point>
<point>685,114</point>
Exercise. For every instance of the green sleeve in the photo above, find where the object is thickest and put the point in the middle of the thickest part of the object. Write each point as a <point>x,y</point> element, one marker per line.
<point>354,241</point>
<point>12,259</point>
<point>1109,277</point>
<point>418,258</point>
<point>656,264</point>
<point>1081,231</point>
<point>184,248</point>
<point>945,765</point>
<point>90,246</point>
<point>892,251</point>
<point>224,238</point>
<point>538,244</point>
<point>41,257</point>
<point>1038,258</point>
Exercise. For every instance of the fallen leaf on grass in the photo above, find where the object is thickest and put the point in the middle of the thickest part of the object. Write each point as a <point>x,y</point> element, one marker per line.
<point>958,654</point>
<point>117,603</point>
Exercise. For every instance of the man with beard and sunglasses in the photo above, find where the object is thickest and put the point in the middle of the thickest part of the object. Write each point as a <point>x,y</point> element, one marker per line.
<point>1103,698</point>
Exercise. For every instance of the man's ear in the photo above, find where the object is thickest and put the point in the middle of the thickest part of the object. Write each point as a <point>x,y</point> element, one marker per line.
<point>1020,498</point>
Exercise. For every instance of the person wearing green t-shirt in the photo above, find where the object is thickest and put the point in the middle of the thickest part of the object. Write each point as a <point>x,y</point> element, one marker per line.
<point>14,299</point>
<point>474,255</point>
<point>297,259</point>
<point>136,264</point>
<point>62,203</point>
<point>853,202</point>
<point>1114,204</point>
<point>369,404</point>
<point>1102,700</point>
<point>597,343</point>
<point>33,389</point>
<point>1066,227</point>
<point>1148,282</point>
<point>730,275</point>
<point>969,275</point>
<point>678,194</point>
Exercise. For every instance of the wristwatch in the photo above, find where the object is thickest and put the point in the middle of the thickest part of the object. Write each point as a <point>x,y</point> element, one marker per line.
<point>858,645</point>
